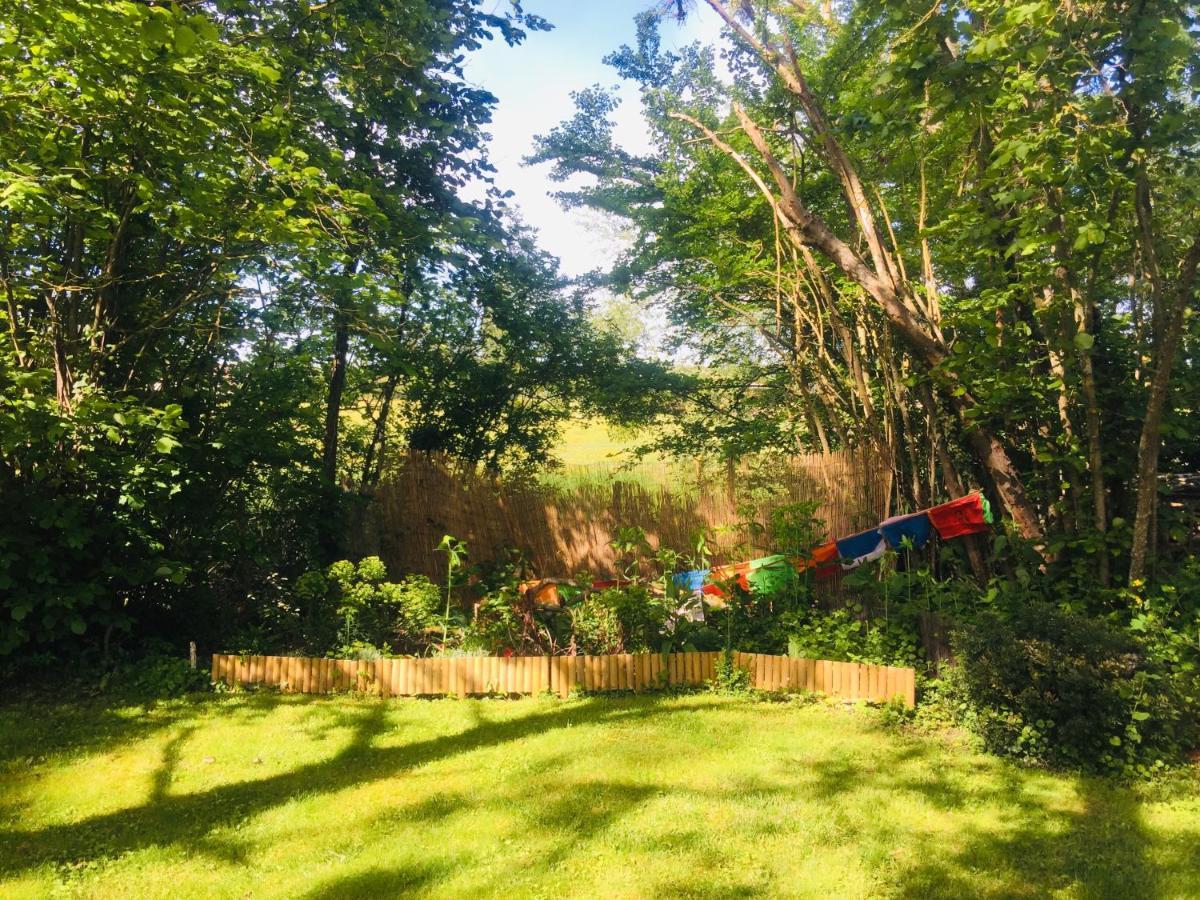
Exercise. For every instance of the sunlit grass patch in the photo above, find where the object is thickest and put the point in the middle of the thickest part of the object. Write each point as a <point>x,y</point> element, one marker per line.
<point>634,796</point>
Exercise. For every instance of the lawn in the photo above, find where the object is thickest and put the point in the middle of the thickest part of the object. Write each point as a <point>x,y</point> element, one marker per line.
<point>693,795</point>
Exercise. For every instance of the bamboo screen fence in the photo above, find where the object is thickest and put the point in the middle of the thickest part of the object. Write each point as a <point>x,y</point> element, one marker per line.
<point>566,531</point>
<point>477,675</point>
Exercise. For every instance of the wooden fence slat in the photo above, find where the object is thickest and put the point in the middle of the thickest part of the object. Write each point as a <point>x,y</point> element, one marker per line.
<point>566,674</point>
<point>463,676</point>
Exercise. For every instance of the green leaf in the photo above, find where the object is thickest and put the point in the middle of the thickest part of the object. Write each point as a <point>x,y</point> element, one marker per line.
<point>185,39</point>
<point>155,31</point>
<point>1084,341</point>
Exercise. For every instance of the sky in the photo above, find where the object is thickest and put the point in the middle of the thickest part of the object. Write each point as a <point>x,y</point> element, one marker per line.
<point>533,83</point>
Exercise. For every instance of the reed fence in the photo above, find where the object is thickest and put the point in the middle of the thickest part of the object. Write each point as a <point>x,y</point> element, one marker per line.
<point>463,676</point>
<point>567,529</point>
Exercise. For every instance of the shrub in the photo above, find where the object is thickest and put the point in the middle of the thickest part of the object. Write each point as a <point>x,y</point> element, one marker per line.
<point>1054,687</point>
<point>619,620</point>
<point>349,606</point>
<point>844,634</point>
<point>161,676</point>
<point>730,678</point>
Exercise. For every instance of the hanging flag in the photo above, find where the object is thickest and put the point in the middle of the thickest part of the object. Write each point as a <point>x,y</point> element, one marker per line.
<point>738,572</point>
<point>860,548</point>
<point>771,575</point>
<point>960,517</point>
<point>818,557</point>
<point>690,582</point>
<point>916,527</point>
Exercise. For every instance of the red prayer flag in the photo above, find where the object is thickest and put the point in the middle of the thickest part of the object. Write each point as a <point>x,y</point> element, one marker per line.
<point>959,517</point>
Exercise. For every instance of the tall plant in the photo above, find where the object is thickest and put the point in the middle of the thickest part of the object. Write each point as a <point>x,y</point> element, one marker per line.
<point>456,553</point>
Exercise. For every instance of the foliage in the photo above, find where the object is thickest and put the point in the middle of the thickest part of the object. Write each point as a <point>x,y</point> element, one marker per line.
<point>1056,687</point>
<point>845,634</point>
<point>159,677</point>
<point>456,552</point>
<point>351,609</point>
<point>729,677</point>
<point>922,230</point>
<point>236,268</point>
<point>83,540</point>
<point>619,620</point>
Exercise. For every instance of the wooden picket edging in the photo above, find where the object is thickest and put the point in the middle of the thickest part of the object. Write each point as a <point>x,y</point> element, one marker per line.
<point>473,675</point>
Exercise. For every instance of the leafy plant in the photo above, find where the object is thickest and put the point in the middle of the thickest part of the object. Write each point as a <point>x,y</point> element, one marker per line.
<point>456,553</point>
<point>730,678</point>
<point>1056,687</point>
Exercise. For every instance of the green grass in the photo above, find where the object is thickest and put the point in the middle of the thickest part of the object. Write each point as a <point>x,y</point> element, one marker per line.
<point>591,441</point>
<point>273,796</point>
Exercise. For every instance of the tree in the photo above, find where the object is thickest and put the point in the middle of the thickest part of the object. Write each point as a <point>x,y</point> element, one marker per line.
<point>915,211</point>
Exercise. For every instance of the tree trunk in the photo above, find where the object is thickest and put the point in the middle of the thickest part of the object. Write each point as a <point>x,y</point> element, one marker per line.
<point>805,228</point>
<point>373,459</point>
<point>1151,437</point>
<point>333,403</point>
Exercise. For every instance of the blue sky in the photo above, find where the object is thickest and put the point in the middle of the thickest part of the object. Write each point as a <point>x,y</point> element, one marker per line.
<point>533,83</point>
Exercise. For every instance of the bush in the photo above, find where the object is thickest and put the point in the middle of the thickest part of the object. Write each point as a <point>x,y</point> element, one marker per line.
<point>1054,687</point>
<point>845,635</point>
<point>161,676</point>
<point>349,606</point>
<point>730,678</point>
<point>619,620</point>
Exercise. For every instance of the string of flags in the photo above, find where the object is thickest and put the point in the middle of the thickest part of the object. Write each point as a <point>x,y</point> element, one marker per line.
<point>966,515</point>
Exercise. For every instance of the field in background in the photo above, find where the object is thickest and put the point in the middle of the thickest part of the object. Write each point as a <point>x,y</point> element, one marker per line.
<point>266,795</point>
<point>591,442</point>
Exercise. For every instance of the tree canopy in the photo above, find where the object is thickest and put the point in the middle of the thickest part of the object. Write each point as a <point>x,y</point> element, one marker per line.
<point>239,265</point>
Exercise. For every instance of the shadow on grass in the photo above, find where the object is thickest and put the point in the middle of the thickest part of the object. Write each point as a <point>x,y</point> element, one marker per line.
<point>382,882</point>
<point>1095,847</point>
<point>1035,842</point>
<point>187,820</point>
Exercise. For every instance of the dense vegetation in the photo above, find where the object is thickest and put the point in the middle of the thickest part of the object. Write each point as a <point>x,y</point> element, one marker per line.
<point>240,268</point>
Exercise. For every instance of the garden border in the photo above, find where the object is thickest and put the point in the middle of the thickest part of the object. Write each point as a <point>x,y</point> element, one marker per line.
<point>463,676</point>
